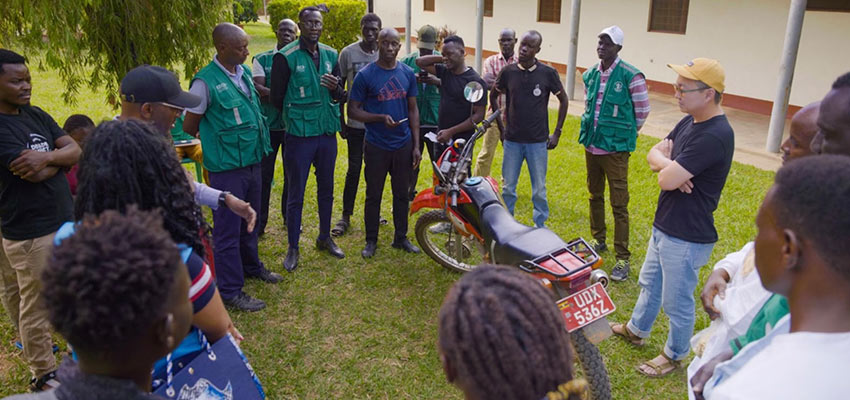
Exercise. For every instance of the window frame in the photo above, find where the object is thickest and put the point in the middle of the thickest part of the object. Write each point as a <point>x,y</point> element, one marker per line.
<point>488,12</point>
<point>558,16</point>
<point>827,8</point>
<point>425,5</point>
<point>683,23</point>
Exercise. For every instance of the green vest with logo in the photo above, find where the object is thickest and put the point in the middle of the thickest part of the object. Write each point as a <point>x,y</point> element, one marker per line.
<point>616,128</point>
<point>274,117</point>
<point>308,107</point>
<point>428,96</point>
<point>233,130</point>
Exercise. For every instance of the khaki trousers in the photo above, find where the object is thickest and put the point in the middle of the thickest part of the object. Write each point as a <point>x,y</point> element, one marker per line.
<point>21,291</point>
<point>488,150</point>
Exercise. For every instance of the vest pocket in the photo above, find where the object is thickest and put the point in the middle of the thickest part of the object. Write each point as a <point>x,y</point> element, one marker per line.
<point>238,145</point>
<point>304,121</point>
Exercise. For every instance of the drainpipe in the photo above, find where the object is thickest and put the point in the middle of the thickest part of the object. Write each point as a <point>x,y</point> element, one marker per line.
<point>407,29</point>
<point>786,75</point>
<point>479,36</point>
<point>575,14</point>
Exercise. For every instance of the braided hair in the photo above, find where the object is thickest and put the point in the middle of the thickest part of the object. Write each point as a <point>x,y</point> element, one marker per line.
<point>502,332</point>
<point>128,162</point>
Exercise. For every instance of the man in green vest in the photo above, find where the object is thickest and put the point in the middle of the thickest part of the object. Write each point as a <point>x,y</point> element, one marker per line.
<point>262,74</point>
<point>235,139</point>
<point>616,106</point>
<point>305,86</point>
<point>428,97</point>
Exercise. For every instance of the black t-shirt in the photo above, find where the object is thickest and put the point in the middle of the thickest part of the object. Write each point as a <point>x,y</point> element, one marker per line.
<point>527,100</point>
<point>705,150</point>
<point>30,210</point>
<point>454,108</point>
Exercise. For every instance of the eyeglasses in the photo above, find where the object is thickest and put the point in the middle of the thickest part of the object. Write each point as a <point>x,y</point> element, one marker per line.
<point>683,91</point>
<point>313,24</point>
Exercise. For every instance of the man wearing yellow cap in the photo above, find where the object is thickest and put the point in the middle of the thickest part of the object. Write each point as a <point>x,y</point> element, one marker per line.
<point>692,164</point>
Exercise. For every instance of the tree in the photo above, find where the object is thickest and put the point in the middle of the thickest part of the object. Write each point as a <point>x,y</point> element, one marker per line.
<point>95,42</point>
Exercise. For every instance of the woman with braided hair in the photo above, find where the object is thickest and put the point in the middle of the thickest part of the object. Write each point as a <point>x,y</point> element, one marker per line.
<point>126,163</point>
<point>502,337</point>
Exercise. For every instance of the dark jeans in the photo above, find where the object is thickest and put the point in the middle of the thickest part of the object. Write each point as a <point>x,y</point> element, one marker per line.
<point>277,141</point>
<point>234,248</point>
<point>399,164</point>
<point>615,167</point>
<point>352,176</point>
<point>300,154</point>
<point>423,142</point>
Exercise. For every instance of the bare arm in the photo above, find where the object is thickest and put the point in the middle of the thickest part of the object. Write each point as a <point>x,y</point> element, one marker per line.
<point>214,320</point>
<point>259,83</point>
<point>562,115</point>
<point>356,111</point>
<point>671,175</point>
<point>192,123</point>
<point>30,163</point>
<point>427,63</point>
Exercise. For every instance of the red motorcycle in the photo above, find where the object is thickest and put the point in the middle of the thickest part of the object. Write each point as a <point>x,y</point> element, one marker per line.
<point>470,225</point>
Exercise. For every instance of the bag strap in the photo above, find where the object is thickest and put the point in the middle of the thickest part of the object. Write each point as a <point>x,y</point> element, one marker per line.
<point>169,369</point>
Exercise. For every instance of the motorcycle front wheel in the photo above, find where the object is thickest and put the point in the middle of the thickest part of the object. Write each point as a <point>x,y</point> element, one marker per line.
<point>440,241</point>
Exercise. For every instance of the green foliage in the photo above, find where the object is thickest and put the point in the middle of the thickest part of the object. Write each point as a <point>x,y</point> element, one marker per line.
<point>244,11</point>
<point>341,24</point>
<point>95,42</point>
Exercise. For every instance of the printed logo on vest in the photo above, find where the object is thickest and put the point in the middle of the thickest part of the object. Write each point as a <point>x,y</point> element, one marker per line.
<point>299,69</point>
<point>221,87</point>
<point>328,66</point>
<point>618,86</point>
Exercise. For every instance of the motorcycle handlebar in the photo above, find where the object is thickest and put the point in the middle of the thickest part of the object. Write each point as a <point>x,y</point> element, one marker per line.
<point>489,120</point>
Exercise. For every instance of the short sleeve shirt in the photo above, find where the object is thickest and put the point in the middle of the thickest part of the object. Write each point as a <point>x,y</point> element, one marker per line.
<point>705,150</point>
<point>527,100</point>
<point>30,210</point>
<point>454,108</point>
<point>385,91</point>
<point>352,59</point>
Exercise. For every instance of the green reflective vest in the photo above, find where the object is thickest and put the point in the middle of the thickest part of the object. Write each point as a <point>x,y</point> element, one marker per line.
<point>233,130</point>
<point>274,117</point>
<point>428,97</point>
<point>616,128</point>
<point>308,107</point>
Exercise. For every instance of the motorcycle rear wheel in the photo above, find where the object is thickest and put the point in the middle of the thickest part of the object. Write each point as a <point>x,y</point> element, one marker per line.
<point>450,249</point>
<point>592,366</point>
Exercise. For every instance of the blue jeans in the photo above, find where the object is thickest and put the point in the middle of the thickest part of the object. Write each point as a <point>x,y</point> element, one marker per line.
<point>537,158</point>
<point>667,279</point>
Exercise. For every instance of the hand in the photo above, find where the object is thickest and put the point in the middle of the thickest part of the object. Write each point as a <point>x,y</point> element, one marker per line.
<point>444,136</point>
<point>706,371</point>
<point>29,163</point>
<point>329,81</point>
<point>553,141</point>
<point>242,209</point>
<point>235,333</point>
<point>428,79</point>
<point>715,285</point>
<point>263,91</point>
<point>389,122</point>
<point>687,187</point>
<point>417,157</point>
<point>343,131</point>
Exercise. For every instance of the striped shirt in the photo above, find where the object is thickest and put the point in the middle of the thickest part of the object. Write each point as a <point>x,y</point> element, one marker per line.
<point>640,99</point>
<point>492,67</point>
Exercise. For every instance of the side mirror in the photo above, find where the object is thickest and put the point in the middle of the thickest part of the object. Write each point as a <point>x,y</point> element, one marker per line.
<point>473,91</point>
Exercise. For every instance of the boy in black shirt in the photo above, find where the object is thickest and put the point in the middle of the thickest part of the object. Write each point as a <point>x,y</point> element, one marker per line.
<point>34,201</point>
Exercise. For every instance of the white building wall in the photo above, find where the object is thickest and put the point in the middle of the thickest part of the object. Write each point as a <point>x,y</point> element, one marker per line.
<point>745,36</point>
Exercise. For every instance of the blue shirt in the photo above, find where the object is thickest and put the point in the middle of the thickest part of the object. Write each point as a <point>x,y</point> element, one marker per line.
<point>383,91</point>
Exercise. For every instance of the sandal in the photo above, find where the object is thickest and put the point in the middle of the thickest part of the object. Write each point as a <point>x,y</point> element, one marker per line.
<point>45,382</point>
<point>340,228</point>
<point>660,369</point>
<point>624,332</point>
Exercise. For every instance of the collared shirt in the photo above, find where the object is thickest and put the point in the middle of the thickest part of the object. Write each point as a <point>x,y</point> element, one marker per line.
<point>527,93</point>
<point>640,99</point>
<point>492,67</point>
<point>281,74</point>
<point>199,87</point>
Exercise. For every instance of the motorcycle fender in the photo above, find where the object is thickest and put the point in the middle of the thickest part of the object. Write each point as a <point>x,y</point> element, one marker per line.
<point>597,331</point>
<point>426,199</point>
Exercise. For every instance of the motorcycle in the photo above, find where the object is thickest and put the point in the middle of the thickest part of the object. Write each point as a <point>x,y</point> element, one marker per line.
<point>469,224</point>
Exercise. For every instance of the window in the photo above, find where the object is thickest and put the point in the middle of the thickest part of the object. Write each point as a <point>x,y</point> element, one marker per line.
<point>669,16</point>
<point>488,8</point>
<point>828,5</point>
<point>549,11</point>
<point>429,5</point>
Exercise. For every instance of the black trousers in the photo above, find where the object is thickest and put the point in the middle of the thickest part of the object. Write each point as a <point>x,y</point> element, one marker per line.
<point>399,164</point>
<point>352,176</point>
<point>302,153</point>
<point>278,142</point>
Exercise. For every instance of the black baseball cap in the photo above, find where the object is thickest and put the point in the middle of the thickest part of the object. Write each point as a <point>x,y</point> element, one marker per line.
<point>152,84</point>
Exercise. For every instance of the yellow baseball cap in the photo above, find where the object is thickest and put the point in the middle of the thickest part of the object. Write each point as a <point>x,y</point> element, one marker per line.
<point>705,70</point>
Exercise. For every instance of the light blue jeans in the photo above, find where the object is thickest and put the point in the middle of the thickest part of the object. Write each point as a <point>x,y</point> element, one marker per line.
<point>537,158</point>
<point>667,279</point>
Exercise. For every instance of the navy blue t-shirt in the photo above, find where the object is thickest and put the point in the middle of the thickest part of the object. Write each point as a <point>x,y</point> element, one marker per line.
<point>385,91</point>
<point>705,150</point>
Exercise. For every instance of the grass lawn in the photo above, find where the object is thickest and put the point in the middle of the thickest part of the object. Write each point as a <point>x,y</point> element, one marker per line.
<point>367,329</point>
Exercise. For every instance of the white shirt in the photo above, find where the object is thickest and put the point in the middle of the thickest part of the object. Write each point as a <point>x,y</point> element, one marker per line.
<point>199,88</point>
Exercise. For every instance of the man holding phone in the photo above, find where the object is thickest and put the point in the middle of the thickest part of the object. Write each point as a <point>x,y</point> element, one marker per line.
<point>383,96</point>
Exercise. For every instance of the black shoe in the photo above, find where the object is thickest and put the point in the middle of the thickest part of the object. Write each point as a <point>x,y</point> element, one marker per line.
<point>370,249</point>
<point>267,276</point>
<point>405,245</point>
<point>329,246</point>
<point>620,271</point>
<point>45,382</point>
<point>598,247</point>
<point>291,260</point>
<point>243,302</point>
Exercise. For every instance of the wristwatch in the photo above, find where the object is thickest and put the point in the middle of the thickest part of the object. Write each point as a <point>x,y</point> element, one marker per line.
<point>222,197</point>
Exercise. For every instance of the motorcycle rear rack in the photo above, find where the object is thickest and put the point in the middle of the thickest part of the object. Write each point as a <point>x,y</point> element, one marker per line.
<point>577,248</point>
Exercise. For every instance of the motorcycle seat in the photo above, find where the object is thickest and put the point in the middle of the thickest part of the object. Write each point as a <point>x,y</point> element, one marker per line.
<point>515,242</point>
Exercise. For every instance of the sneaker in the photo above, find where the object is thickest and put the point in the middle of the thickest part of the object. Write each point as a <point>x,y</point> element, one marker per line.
<point>597,246</point>
<point>620,271</point>
<point>267,276</point>
<point>442,227</point>
<point>45,382</point>
<point>243,302</point>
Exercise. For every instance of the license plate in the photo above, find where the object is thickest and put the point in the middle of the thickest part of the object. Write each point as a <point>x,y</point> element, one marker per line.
<point>584,307</point>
